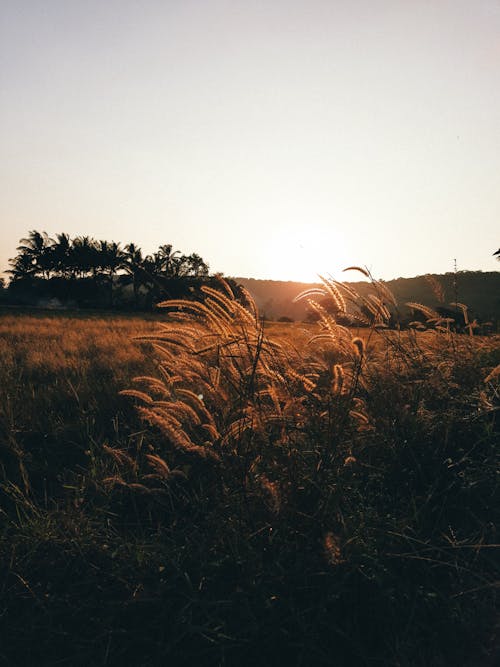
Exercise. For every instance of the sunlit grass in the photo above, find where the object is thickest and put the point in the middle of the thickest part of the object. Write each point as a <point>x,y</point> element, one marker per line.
<point>348,510</point>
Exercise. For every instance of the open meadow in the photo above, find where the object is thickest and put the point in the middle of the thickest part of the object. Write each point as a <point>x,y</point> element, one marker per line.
<point>250,333</point>
<point>261,493</point>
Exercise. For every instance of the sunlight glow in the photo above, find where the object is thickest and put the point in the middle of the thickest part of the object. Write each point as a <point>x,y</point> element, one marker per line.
<point>305,254</point>
<point>277,140</point>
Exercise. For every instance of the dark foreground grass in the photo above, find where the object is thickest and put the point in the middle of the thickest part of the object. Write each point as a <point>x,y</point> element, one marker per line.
<point>369,547</point>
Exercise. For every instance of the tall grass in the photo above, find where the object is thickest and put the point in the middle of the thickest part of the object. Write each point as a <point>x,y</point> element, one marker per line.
<point>60,378</point>
<point>302,495</point>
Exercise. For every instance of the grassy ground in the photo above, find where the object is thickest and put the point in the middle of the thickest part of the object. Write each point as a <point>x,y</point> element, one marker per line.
<point>354,523</point>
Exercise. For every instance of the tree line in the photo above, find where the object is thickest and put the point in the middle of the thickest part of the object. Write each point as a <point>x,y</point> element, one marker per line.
<point>84,271</point>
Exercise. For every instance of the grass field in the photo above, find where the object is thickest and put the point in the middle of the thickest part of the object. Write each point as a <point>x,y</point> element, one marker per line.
<point>254,499</point>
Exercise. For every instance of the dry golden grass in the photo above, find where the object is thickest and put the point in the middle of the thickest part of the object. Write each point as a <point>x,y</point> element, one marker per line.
<point>53,344</point>
<point>229,384</point>
<point>59,382</point>
<point>332,489</point>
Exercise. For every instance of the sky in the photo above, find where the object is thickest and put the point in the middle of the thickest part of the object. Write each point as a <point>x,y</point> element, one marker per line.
<point>277,139</point>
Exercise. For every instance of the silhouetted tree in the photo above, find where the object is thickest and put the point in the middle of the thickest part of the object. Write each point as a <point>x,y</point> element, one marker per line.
<point>84,270</point>
<point>168,260</point>
<point>193,265</point>
<point>34,256</point>
<point>110,259</point>
<point>84,257</point>
<point>133,263</point>
<point>152,266</point>
<point>61,252</point>
<point>22,268</point>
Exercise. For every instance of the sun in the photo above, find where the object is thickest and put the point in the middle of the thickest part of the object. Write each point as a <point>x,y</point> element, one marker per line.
<point>304,255</point>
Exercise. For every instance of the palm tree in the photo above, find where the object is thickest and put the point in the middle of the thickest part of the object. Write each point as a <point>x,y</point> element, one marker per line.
<point>152,266</point>
<point>84,256</point>
<point>111,258</point>
<point>134,265</point>
<point>168,260</point>
<point>498,254</point>
<point>22,268</point>
<point>61,254</point>
<point>36,249</point>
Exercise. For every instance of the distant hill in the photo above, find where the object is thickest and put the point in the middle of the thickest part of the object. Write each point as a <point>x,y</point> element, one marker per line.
<point>479,291</point>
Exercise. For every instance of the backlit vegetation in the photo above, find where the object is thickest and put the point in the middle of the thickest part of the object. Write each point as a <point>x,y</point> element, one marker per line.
<point>258,494</point>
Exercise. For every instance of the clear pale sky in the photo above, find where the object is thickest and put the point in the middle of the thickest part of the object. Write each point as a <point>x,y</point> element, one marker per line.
<point>277,139</point>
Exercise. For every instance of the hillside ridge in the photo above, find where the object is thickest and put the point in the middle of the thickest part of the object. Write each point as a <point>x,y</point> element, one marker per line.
<point>479,290</point>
